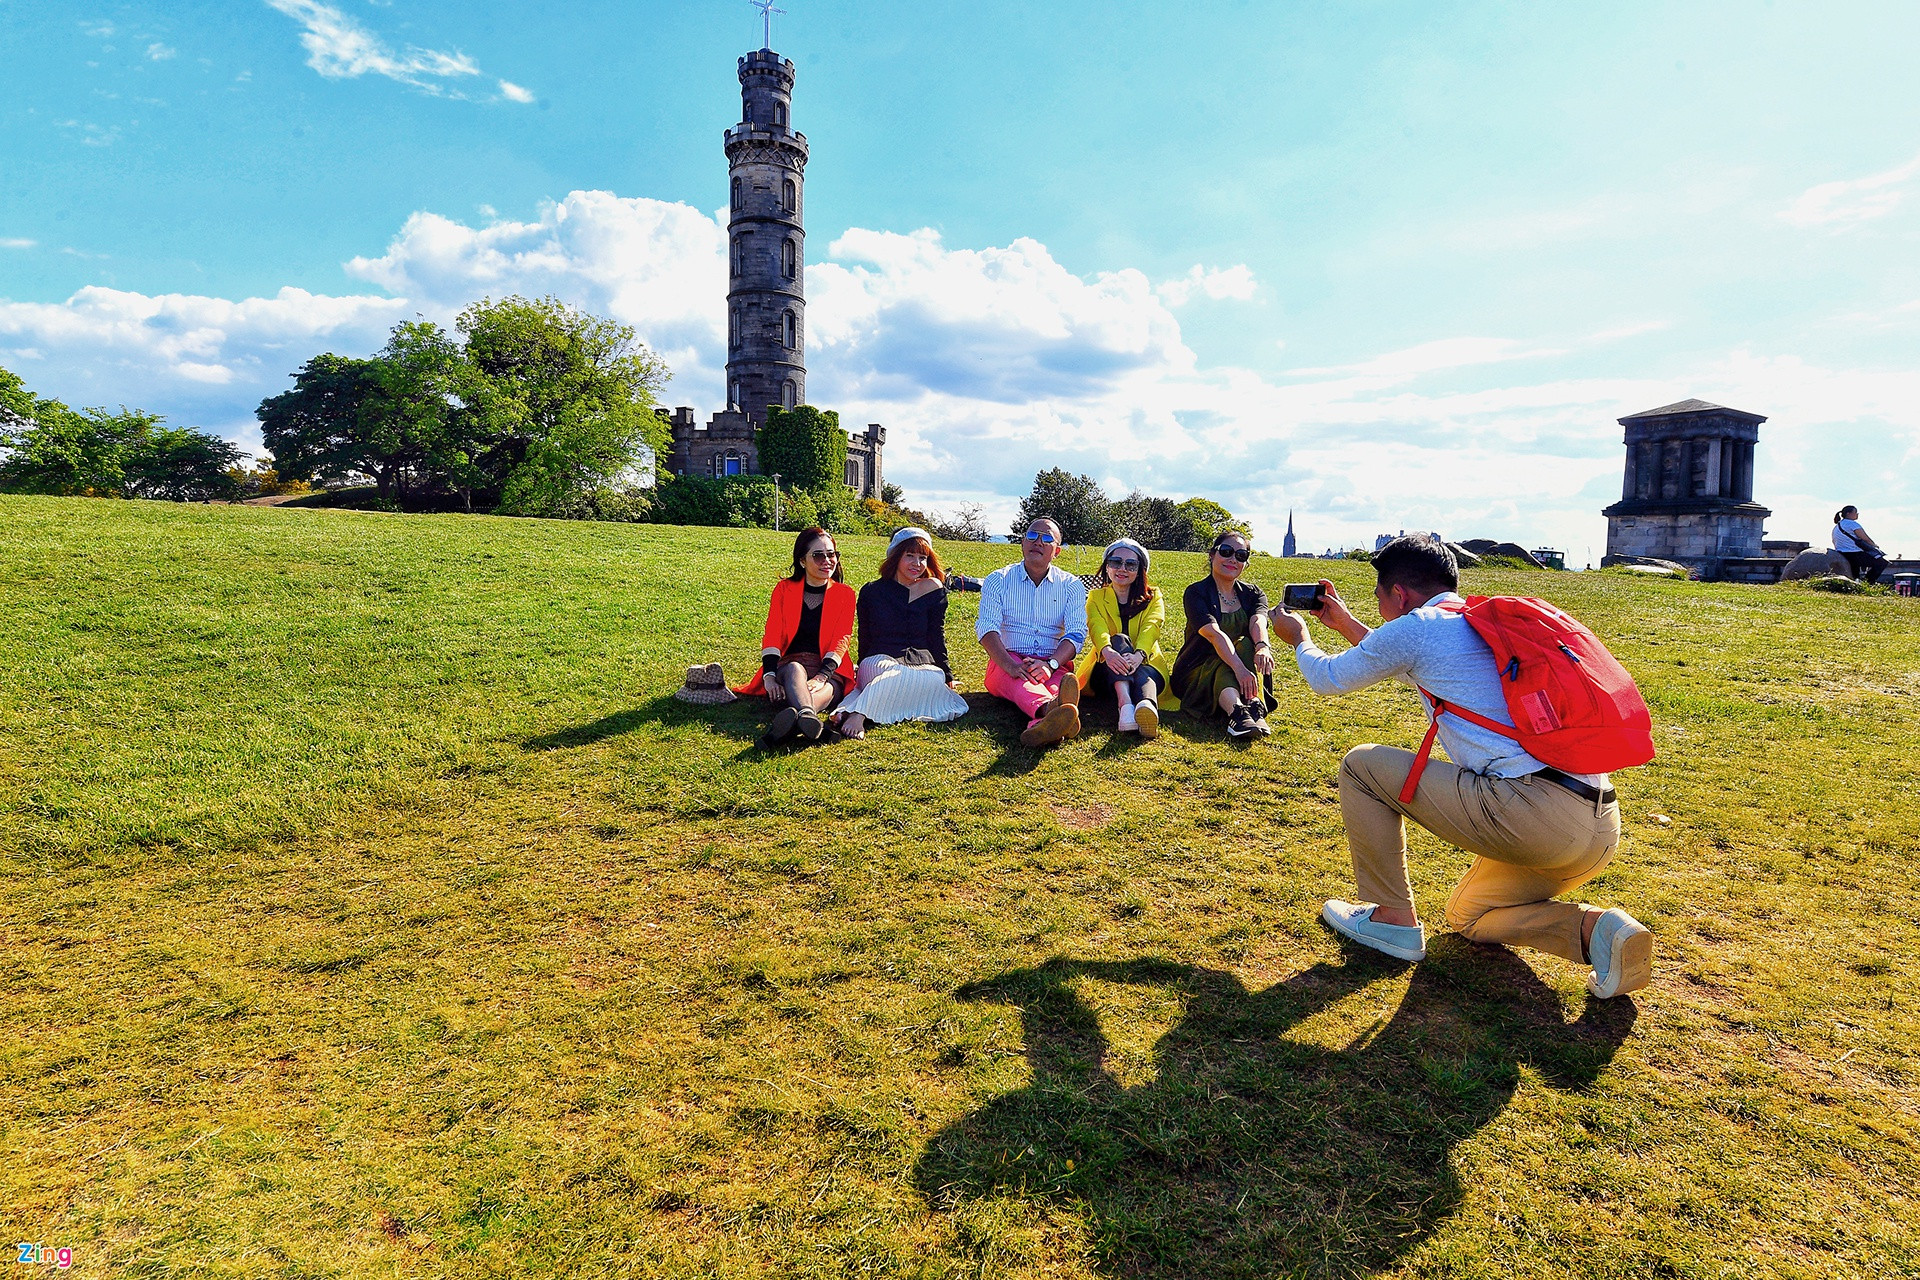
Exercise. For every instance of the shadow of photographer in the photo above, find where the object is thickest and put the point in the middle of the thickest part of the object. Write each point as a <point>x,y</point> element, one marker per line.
<point>1249,1153</point>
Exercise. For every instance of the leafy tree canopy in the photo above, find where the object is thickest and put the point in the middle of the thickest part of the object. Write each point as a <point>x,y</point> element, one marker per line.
<point>540,405</point>
<point>53,449</point>
<point>1087,517</point>
<point>1075,503</point>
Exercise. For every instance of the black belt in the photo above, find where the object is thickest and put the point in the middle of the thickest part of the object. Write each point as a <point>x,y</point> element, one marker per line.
<point>1585,790</point>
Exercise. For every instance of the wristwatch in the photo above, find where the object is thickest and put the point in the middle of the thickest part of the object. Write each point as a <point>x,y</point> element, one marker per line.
<point>1053,664</point>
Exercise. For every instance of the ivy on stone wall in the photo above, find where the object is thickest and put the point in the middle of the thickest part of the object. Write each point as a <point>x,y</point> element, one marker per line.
<point>805,447</point>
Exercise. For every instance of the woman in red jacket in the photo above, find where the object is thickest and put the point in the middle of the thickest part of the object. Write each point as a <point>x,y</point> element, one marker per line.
<point>803,654</point>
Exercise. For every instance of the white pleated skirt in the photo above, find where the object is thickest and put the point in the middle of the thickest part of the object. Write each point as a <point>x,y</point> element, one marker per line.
<point>889,691</point>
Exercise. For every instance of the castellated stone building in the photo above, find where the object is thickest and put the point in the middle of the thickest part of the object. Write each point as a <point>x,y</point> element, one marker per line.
<point>766,293</point>
<point>1688,491</point>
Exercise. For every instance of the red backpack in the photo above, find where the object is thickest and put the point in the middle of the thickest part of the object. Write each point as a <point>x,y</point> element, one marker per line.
<point>1574,706</point>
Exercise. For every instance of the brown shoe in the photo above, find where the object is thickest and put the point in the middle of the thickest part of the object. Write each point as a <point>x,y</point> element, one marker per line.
<point>1069,689</point>
<point>1058,724</point>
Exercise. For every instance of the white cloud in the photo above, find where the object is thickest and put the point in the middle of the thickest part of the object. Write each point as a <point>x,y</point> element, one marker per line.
<point>160,52</point>
<point>1430,357</point>
<point>1844,204</point>
<point>339,48</point>
<point>514,93</point>
<point>1217,283</point>
<point>660,267</point>
<point>199,360</point>
<point>987,365</point>
<point>98,30</point>
<point>16,243</point>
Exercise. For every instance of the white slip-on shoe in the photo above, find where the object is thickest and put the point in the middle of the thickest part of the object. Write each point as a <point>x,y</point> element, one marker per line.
<point>1356,922</point>
<point>1622,952</point>
<point>1146,718</point>
<point>1127,723</point>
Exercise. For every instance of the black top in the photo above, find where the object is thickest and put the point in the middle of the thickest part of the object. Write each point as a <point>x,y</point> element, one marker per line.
<point>1129,610</point>
<point>807,638</point>
<point>1201,603</point>
<point>891,623</point>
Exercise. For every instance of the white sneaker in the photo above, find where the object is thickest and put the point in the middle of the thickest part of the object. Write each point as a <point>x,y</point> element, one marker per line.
<point>1622,952</point>
<point>1355,921</point>
<point>1127,723</point>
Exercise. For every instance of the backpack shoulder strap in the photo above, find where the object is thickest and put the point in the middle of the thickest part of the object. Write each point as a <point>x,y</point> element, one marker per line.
<point>1422,756</point>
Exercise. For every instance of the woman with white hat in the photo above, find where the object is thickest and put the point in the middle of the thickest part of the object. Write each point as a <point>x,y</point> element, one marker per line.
<point>1124,617</point>
<point>904,673</point>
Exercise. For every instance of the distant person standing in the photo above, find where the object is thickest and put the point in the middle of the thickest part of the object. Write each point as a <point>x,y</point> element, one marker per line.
<point>1863,554</point>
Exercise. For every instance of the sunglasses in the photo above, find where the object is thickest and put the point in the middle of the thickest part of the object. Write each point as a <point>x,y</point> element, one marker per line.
<point>1045,539</point>
<point>823,556</point>
<point>1243,555</point>
<point>1115,562</point>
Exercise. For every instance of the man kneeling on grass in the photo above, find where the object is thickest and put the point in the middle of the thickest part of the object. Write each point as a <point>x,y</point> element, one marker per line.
<point>1536,832</point>
<point>1033,620</point>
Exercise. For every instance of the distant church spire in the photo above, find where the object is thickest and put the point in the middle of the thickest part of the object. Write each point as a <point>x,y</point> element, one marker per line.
<point>1288,547</point>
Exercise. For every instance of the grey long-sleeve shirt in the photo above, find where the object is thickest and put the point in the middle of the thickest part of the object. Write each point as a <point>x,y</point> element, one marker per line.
<point>1438,650</point>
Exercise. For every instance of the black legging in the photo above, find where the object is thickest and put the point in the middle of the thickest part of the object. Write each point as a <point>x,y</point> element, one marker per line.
<point>1866,564</point>
<point>1143,685</point>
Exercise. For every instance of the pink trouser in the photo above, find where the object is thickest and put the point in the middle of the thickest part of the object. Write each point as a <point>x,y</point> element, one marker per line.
<point>1025,692</point>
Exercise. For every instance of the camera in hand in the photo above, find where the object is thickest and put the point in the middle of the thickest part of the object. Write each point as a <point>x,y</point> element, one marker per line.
<point>1303,597</point>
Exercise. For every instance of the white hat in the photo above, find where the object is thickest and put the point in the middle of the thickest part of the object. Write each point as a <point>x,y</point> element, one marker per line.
<point>907,534</point>
<point>1145,559</point>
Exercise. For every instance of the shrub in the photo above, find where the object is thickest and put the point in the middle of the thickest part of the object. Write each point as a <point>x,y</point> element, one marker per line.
<point>1840,586</point>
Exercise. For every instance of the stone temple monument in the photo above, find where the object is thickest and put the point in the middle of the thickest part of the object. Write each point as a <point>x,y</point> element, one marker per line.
<point>766,289</point>
<point>1688,494</point>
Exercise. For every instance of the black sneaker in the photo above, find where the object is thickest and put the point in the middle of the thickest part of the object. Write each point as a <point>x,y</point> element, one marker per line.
<point>1259,719</point>
<point>1240,722</point>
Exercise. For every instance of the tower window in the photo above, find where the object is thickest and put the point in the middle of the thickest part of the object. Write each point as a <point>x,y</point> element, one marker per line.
<point>780,114</point>
<point>790,195</point>
<point>853,474</point>
<point>793,331</point>
<point>789,394</point>
<point>736,193</point>
<point>789,260</point>
<point>733,330</point>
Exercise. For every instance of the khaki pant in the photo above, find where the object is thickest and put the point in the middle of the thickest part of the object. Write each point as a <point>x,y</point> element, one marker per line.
<point>1534,840</point>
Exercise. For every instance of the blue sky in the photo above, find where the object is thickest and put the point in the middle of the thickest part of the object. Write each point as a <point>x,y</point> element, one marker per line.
<point>1386,265</point>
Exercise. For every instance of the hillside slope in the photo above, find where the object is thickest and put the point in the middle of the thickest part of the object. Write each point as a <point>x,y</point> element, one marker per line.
<point>371,909</point>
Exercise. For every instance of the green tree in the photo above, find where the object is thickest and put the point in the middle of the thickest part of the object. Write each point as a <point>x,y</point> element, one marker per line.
<point>1205,521</point>
<point>561,400</point>
<point>53,449</point>
<point>806,448</point>
<point>177,464</point>
<point>1075,503</point>
<point>316,431</point>
<point>1154,523</point>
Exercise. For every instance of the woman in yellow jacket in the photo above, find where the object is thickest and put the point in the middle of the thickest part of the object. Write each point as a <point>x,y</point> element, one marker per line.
<point>1122,653</point>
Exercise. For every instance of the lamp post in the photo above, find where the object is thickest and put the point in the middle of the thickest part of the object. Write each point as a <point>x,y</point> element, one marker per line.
<point>776,502</point>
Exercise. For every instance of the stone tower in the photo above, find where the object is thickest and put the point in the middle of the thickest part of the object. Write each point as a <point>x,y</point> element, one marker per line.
<point>1688,491</point>
<point>766,293</point>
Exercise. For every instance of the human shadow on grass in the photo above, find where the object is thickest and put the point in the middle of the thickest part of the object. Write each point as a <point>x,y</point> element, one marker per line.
<point>741,719</point>
<point>1250,1154</point>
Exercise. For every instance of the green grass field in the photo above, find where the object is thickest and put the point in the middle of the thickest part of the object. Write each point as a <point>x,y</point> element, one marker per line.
<point>371,910</point>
